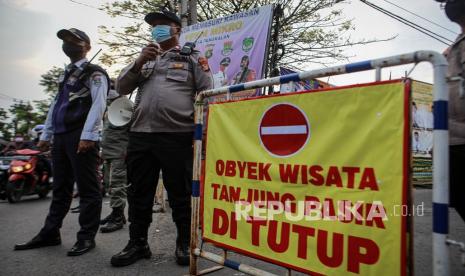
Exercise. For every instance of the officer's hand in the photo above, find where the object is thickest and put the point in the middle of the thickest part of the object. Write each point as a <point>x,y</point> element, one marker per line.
<point>85,145</point>
<point>43,145</point>
<point>149,52</point>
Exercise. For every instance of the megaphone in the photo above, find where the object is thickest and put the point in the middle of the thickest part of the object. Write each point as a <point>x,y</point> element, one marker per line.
<point>120,111</point>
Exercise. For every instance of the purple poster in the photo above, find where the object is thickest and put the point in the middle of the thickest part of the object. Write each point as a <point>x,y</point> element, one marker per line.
<point>235,45</point>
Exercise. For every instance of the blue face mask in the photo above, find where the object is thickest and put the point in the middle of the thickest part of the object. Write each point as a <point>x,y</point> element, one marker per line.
<point>161,33</point>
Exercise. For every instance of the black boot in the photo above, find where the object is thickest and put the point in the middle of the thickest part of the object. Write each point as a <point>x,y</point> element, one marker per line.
<point>182,251</point>
<point>106,219</point>
<point>116,221</point>
<point>134,251</point>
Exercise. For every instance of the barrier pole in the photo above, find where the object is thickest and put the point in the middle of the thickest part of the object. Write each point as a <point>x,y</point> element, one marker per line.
<point>195,200</point>
<point>440,147</point>
<point>232,264</point>
<point>440,172</point>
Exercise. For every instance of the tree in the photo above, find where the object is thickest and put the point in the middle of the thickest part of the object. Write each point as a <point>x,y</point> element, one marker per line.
<point>4,126</point>
<point>49,81</point>
<point>312,32</point>
<point>23,117</point>
<point>41,109</point>
<point>126,42</point>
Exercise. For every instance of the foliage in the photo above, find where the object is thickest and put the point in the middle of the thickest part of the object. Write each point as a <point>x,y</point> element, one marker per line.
<point>311,31</point>
<point>25,115</point>
<point>49,81</point>
<point>4,126</point>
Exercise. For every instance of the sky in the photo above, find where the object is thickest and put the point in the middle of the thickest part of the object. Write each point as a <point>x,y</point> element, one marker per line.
<point>30,47</point>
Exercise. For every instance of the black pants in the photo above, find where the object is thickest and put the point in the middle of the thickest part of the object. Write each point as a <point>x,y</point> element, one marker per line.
<point>68,167</point>
<point>148,153</point>
<point>457,178</point>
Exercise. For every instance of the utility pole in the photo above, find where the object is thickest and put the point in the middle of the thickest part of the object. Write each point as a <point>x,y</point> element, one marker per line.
<point>184,14</point>
<point>193,12</point>
<point>271,67</point>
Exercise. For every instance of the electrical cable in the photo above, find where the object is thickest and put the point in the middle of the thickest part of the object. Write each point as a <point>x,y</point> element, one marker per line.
<point>10,98</point>
<point>426,19</point>
<point>410,24</point>
<point>407,22</point>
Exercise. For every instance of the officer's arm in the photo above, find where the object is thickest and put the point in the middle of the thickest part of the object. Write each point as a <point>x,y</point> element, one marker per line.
<point>98,91</point>
<point>203,76</point>
<point>127,80</point>
<point>48,128</point>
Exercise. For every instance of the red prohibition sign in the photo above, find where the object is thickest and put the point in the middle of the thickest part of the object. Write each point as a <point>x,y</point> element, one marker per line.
<point>284,130</point>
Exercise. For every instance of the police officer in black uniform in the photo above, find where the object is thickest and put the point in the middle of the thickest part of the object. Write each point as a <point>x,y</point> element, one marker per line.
<point>161,133</point>
<point>73,120</point>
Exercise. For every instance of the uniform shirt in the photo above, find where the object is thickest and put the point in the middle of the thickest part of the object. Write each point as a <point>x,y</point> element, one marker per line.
<point>456,59</point>
<point>98,90</point>
<point>114,140</point>
<point>167,89</point>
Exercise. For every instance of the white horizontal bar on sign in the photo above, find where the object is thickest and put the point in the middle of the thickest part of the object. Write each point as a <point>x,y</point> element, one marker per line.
<point>277,130</point>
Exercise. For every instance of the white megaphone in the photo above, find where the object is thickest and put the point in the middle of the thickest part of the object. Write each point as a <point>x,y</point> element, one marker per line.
<point>120,111</point>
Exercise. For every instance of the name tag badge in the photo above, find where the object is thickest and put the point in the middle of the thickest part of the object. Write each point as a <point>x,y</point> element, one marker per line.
<point>177,66</point>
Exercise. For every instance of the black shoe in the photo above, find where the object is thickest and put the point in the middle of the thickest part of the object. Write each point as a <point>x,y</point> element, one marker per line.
<point>81,247</point>
<point>134,251</point>
<point>182,251</point>
<point>106,219</point>
<point>39,241</point>
<point>182,254</point>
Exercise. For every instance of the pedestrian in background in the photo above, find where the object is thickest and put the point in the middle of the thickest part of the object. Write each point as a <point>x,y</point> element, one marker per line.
<point>114,144</point>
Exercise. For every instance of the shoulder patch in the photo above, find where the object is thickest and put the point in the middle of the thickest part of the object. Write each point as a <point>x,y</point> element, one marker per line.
<point>97,79</point>
<point>203,61</point>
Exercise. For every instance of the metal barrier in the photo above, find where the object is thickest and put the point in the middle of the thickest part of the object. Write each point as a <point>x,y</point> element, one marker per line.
<point>440,153</point>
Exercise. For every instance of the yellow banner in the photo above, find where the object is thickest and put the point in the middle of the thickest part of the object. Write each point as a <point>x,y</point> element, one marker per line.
<point>311,181</point>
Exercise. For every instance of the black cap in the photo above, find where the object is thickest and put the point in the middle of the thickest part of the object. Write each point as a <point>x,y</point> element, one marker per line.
<point>62,34</point>
<point>225,61</point>
<point>164,14</point>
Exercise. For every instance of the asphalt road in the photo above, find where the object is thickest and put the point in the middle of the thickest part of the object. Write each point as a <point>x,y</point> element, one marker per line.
<point>20,222</point>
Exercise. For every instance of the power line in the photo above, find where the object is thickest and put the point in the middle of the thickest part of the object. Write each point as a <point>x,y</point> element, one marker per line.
<point>97,8</point>
<point>84,4</point>
<point>10,98</point>
<point>410,24</point>
<point>426,19</point>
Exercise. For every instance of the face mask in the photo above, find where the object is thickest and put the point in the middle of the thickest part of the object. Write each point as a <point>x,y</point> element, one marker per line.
<point>71,50</point>
<point>161,33</point>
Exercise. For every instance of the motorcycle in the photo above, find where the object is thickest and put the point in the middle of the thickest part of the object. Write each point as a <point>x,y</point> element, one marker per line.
<point>29,174</point>
<point>4,167</point>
